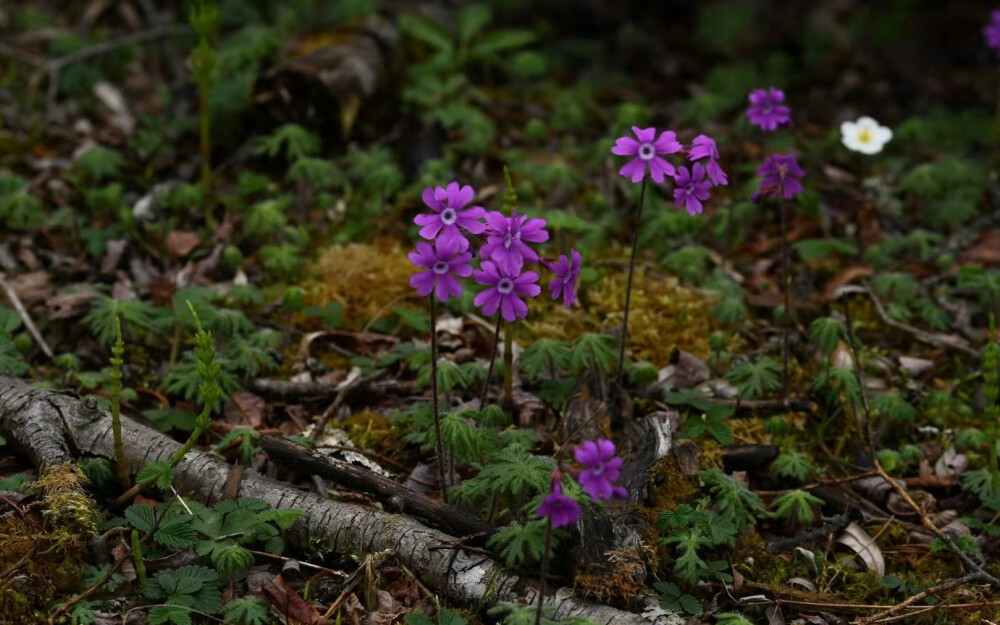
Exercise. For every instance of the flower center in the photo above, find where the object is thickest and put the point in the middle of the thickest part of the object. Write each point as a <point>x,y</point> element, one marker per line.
<point>598,470</point>
<point>646,151</point>
<point>509,239</point>
<point>448,216</point>
<point>440,268</point>
<point>505,286</point>
<point>865,136</point>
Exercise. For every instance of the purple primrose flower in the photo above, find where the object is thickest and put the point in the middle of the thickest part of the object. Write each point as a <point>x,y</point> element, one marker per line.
<point>507,240</point>
<point>448,216</point>
<point>505,292</point>
<point>601,467</point>
<point>992,31</point>
<point>443,261</point>
<point>704,146</point>
<point>566,270</point>
<point>558,508</point>
<point>766,111</point>
<point>646,152</point>
<point>781,174</point>
<point>692,188</point>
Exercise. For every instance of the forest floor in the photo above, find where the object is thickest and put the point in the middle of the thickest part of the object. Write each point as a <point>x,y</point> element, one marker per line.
<point>207,218</point>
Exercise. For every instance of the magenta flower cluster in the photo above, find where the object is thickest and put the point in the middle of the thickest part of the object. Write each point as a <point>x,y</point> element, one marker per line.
<point>691,186</point>
<point>598,470</point>
<point>780,177</point>
<point>766,110</point>
<point>780,174</point>
<point>507,248</point>
<point>991,31</point>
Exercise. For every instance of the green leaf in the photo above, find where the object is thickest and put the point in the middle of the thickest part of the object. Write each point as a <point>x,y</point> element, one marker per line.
<point>159,473</point>
<point>797,504</point>
<point>819,249</point>
<point>676,519</point>
<point>593,352</point>
<point>756,378</point>
<point>132,312</point>
<point>142,518</point>
<point>176,534</point>
<point>544,357</point>
<point>231,559</point>
<point>794,464</point>
<point>425,30</point>
<point>246,611</point>
<point>827,333</point>
<point>713,422</point>
<point>163,614</point>
<point>497,42</point>
<point>100,163</point>
<point>470,20</point>
<point>294,140</point>
<point>732,499</point>
<point>673,598</point>
<point>518,543</point>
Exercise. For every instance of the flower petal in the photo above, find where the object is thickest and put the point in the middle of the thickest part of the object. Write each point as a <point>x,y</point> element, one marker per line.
<point>645,135</point>
<point>625,146</point>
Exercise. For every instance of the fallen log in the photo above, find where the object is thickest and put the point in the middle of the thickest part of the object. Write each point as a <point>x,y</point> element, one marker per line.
<point>432,511</point>
<point>50,427</point>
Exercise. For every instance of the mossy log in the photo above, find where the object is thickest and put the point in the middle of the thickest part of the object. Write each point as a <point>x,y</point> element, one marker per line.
<point>51,428</point>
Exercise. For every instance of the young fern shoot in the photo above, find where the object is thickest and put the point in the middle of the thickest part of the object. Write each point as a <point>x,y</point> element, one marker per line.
<point>209,392</point>
<point>117,362</point>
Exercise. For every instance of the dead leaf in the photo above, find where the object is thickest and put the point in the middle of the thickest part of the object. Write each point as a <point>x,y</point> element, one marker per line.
<point>846,276</point>
<point>986,251</point>
<point>858,540</point>
<point>245,409</point>
<point>180,243</point>
<point>290,603</point>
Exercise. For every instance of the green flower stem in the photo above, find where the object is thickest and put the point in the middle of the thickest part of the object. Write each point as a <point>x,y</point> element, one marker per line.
<point>786,281</point>
<point>493,359</point>
<point>508,370</point>
<point>995,145</point>
<point>140,566</point>
<point>434,391</point>
<point>545,571</point>
<point>117,362</point>
<point>628,288</point>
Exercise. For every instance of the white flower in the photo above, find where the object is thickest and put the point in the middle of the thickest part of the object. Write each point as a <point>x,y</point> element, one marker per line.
<point>865,135</point>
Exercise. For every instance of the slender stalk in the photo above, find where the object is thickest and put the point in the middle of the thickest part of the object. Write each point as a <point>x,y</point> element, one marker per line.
<point>508,369</point>
<point>786,316</point>
<point>545,571</point>
<point>995,145</point>
<point>631,271</point>
<point>140,566</point>
<point>117,362</point>
<point>434,390</point>
<point>493,359</point>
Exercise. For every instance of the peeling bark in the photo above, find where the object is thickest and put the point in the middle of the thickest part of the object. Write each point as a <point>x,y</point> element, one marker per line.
<point>51,428</point>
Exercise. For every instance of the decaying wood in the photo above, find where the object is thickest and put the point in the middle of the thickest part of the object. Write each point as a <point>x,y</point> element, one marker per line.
<point>394,494</point>
<point>50,428</point>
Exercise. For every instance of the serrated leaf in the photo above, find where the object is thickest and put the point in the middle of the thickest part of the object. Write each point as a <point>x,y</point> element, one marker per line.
<point>164,614</point>
<point>517,543</point>
<point>246,611</point>
<point>176,534</point>
<point>142,518</point>
<point>159,473</point>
